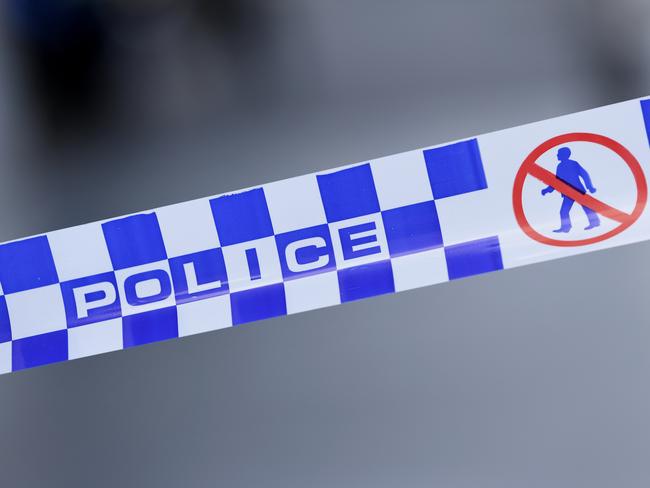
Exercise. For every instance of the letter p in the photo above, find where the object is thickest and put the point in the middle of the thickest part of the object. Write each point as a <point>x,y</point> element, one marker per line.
<point>91,299</point>
<point>93,296</point>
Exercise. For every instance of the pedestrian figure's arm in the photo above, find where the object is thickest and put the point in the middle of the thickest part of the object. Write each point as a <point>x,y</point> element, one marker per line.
<point>548,189</point>
<point>585,177</point>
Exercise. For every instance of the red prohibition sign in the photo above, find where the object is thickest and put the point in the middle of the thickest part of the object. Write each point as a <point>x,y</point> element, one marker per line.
<point>530,168</point>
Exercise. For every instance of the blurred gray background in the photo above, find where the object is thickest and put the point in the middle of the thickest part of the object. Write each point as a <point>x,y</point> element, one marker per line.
<point>117,106</point>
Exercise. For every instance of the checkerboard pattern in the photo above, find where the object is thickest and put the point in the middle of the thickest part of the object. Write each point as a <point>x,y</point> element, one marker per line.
<point>286,247</point>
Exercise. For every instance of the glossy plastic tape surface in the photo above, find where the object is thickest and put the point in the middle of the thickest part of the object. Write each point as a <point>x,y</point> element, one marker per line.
<point>537,192</point>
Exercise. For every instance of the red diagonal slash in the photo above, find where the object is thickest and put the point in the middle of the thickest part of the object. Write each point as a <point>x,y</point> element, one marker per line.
<point>583,199</point>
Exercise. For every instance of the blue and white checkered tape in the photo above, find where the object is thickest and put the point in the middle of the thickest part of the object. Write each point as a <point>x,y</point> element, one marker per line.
<point>395,223</point>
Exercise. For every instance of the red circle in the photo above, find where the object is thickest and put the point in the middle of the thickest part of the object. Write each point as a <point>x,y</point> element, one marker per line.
<point>626,155</point>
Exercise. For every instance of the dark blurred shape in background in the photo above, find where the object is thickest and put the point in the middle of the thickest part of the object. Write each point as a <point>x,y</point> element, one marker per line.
<point>90,64</point>
<point>74,52</point>
<point>138,65</point>
<point>66,53</point>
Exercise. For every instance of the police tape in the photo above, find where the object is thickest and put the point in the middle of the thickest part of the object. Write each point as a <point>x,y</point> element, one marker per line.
<point>538,192</point>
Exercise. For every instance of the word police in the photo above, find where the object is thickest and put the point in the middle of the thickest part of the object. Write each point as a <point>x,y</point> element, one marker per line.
<point>228,269</point>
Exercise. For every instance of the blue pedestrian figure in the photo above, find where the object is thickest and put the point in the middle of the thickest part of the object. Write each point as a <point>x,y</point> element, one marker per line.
<point>571,173</point>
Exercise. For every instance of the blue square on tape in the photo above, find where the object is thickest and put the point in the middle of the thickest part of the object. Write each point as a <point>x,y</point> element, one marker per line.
<point>26,264</point>
<point>412,228</point>
<point>134,240</point>
<point>5,326</point>
<point>455,169</point>
<point>241,217</point>
<point>366,281</point>
<point>153,326</point>
<point>91,299</point>
<point>39,350</point>
<point>258,303</point>
<point>645,111</point>
<point>348,193</point>
<point>305,251</point>
<point>473,257</point>
<point>199,275</point>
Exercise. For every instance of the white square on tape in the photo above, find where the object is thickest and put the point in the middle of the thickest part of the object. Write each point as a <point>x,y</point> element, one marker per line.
<point>401,180</point>
<point>188,228</point>
<point>312,292</point>
<point>204,315</point>
<point>467,217</point>
<point>294,204</point>
<point>79,252</point>
<point>419,269</point>
<point>36,311</point>
<point>96,338</point>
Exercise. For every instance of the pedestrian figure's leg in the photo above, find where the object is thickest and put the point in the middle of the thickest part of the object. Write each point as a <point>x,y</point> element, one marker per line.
<point>565,219</point>
<point>594,220</point>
